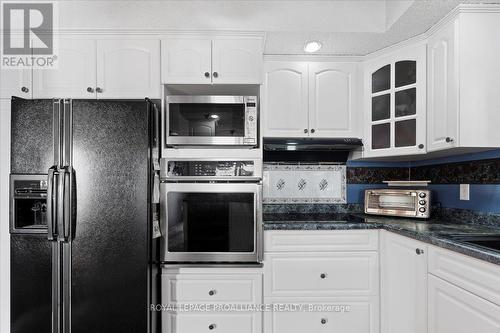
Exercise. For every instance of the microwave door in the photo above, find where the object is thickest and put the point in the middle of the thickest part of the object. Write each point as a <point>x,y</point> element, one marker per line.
<point>204,222</point>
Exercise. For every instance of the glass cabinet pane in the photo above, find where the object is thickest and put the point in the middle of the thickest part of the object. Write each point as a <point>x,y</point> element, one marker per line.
<point>381,79</point>
<point>405,133</point>
<point>405,73</point>
<point>406,102</point>
<point>381,107</point>
<point>381,136</point>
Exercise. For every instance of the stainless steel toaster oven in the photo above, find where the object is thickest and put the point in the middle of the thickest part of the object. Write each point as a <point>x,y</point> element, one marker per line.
<point>398,202</point>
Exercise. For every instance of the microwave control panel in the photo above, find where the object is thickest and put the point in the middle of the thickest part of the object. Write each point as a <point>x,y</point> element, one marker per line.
<point>250,120</point>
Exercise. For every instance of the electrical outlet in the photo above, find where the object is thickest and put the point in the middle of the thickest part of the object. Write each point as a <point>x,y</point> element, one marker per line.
<point>464,192</point>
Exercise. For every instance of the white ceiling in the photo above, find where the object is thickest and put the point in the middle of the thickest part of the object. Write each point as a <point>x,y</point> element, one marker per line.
<point>354,27</point>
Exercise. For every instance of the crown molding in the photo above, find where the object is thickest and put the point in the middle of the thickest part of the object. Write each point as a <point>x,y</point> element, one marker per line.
<point>312,57</point>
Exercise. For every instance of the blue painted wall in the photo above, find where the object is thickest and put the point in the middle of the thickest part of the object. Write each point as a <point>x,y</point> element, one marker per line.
<point>483,197</point>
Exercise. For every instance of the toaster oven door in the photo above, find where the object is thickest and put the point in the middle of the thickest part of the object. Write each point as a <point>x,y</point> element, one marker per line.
<point>402,203</point>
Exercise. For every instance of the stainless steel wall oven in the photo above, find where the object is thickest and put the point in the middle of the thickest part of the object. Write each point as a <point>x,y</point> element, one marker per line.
<point>211,211</point>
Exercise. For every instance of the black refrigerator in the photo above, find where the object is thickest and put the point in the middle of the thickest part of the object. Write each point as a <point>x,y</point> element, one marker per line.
<point>81,215</point>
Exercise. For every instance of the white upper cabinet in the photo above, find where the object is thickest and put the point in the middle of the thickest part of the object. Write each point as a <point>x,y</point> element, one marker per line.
<point>403,284</point>
<point>75,75</point>
<point>186,61</point>
<point>107,68</point>
<point>395,106</point>
<point>285,100</point>
<point>442,93</point>
<point>128,68</point>
<point>332,100</point>
<point>310,99</point>
<point>219,60</point>
<point>237,61</point>
<point>463,76</point>
<point>15,82</point>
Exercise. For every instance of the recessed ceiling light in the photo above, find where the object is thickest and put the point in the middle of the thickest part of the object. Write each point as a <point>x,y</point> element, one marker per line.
<point>312,46</point>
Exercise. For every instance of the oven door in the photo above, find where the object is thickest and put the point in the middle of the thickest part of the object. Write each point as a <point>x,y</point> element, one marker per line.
<point>211,222</point>
<point>207,120</point>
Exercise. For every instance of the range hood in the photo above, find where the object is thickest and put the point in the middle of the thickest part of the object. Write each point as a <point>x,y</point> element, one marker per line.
<point>309,149</point>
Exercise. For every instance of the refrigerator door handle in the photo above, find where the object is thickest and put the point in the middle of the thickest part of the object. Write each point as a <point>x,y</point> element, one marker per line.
<point>64,211</point>
<point>68,196</point>
<point>51,204</point>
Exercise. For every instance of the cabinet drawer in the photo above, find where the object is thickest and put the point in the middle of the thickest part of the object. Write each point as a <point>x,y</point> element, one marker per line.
<point>321,274</point>
<point>320,240</point>
<point>478,277</point>
<point>212,322</point>
<point>342,316</point>
<point>211,288</point>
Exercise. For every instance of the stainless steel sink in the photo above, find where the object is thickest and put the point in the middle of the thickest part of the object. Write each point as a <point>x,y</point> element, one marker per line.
<point>490,242</point>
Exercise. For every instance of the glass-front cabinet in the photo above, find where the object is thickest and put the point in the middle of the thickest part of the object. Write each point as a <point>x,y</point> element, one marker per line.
<point>395,106</point>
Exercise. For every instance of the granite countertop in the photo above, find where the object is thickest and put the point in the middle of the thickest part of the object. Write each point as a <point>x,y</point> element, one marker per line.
<point>435,232</point>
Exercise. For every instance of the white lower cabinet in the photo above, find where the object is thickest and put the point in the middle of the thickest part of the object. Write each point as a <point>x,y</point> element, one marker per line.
<point>212,322</point>
<point>343,315</point>
<point>455,310</point>
<point>403,284</point>
<point>328,282</point>
<point>203,300</point>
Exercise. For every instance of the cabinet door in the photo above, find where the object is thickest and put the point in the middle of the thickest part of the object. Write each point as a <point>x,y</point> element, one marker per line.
<point>186,61</point>
<point>285,107</point>
<point>15,82</point>
<point>332,99</point>
<point>442,92</point>
<point>128,68</point>
<point>403,285</point>
<point>75,75</point>
<point>237,61</point>
<point>454,310</point>
<point>396,105</point>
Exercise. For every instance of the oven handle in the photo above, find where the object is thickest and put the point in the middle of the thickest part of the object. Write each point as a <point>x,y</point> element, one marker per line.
<point>259,237</point>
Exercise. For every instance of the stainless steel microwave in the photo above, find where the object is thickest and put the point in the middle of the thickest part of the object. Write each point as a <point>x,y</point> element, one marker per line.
<point>211,121</point>
<point>398,202</point>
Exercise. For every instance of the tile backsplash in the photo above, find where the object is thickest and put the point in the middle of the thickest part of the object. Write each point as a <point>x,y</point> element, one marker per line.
<point>304,183</point>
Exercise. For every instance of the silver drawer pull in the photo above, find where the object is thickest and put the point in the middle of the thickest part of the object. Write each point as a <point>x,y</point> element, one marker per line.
<point>211,326</point>
<point>323,321</point>
<point>212,292</point>
<point>323,275</point>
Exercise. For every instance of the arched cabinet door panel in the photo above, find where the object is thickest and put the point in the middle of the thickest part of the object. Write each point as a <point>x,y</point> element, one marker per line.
<point>285,100</point>
<point>75,74</point>
<point>333,109</point>
<point>128,68</point>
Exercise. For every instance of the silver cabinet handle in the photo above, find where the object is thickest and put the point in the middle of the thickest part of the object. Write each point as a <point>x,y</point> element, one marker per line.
<point>421,146</point>
<point>99,90</point>
<point>323,275</point>
<point>25,89</point>
<point>211,326</point>
<point>215,74</point>
<point>212,292</point>
<point>207,74</point>
<point>90,89</point>
<point>313,130</point>
<point>419,251</point>
<point>306,130</point>
<point>323,321</point>
<point>448,139</point>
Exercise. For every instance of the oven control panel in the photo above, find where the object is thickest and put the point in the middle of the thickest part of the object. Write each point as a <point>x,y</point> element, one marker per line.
<point>208,169</point>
